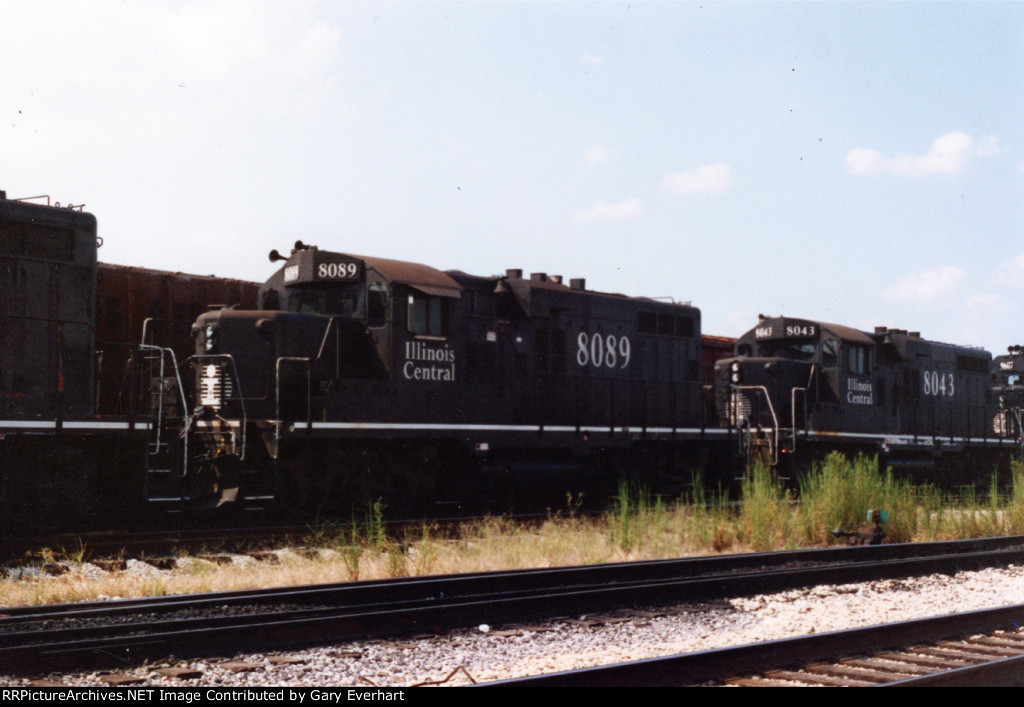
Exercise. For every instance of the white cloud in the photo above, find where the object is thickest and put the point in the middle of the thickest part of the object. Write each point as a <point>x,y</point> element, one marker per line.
<point>612,212</point>
<point>588,58</point>
<point>949,154</point>
<point>926,286</point>
<point>595,154</point>
<point>988,302</point>
<point>706,179</point>
<point>1011,272</point>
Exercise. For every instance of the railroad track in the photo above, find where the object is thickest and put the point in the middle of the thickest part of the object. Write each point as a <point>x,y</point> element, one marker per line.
<point>970,649</point>
<point>129,631</point>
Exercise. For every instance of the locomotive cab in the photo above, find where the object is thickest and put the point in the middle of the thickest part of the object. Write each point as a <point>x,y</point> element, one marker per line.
<point>786,370</point>
<point>324,318</point>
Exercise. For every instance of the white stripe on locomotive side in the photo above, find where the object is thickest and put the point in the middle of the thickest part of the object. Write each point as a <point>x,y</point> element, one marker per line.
<point>458,427</point>
<point>70,425</point>
<point>810,435</point>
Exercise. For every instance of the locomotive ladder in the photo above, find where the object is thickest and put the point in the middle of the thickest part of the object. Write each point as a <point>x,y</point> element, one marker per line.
<point>166,463</point>
<point>742,409</point>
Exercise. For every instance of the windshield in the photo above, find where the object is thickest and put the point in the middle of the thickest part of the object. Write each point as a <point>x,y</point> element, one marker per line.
<point>331,299</point>
<point>789,349</point>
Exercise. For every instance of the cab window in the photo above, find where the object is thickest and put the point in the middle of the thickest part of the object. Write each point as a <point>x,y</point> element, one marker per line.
<point>829,353</point>
<point>331,300</point>
<point>377,305</point>
<point>795,351</point>
<point>427,316</point>
<point>859,364</point>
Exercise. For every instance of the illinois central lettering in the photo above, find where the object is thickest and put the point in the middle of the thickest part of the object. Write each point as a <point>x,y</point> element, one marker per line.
<point>859,392</point>
<point>428,363</point>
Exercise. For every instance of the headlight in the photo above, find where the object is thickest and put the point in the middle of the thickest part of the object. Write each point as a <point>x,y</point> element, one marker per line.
<point>211,337</point>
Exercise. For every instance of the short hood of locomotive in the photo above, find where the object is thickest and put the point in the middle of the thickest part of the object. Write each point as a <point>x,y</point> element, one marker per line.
<point>290,333</point>
<point>758,390</point>
<point>1009,396</point>
<point>770,372</point>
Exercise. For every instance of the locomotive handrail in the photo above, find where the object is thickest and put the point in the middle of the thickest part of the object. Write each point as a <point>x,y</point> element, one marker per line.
<point>323,339</point>
<point>155,320</point>
<point>792,411</point>
<point>792,402</point>
<point>1018,418</point>
<point>309,384</point>
<point>774,439</point>
<point>160,406</point>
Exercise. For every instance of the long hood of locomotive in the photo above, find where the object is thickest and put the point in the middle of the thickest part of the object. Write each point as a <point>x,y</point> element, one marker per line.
<point>340,376</point>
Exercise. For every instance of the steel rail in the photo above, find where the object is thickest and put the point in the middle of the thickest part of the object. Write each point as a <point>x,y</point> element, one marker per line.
<point>791,654</point>
<point>954,556</point>
<point>36,637</point>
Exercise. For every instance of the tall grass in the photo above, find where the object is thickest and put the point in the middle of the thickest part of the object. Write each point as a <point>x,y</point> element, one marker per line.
<point>766,519</point>
<point>1015,503</point>
<point>637,519</point>
<point>837,492</point>
<point>711,519</point>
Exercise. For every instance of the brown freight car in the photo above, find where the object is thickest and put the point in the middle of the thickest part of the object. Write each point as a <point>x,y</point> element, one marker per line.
<point>712,349</point>
<point>129,299</point>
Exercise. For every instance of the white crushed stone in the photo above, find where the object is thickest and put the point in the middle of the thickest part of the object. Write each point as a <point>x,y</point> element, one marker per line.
<point>89,571</point>
<point>509,651</point>
<point>144,569</point>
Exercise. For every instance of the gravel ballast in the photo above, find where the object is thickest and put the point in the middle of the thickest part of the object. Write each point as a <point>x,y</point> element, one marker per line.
<point>495,652</point>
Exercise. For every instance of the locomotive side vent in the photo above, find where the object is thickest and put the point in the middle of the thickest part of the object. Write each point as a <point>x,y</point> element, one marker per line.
<point>1003,424</point>
<point>738,409</point>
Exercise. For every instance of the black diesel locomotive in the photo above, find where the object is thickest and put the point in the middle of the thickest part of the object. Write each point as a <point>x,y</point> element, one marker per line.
<point>82,342</point>
<point>52,441</point>
<point>364,378</point>
<point>1008,378</point>
<point>804,386</point>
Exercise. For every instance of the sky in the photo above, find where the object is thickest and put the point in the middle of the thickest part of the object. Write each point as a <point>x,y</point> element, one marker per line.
<point>851,162</point>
